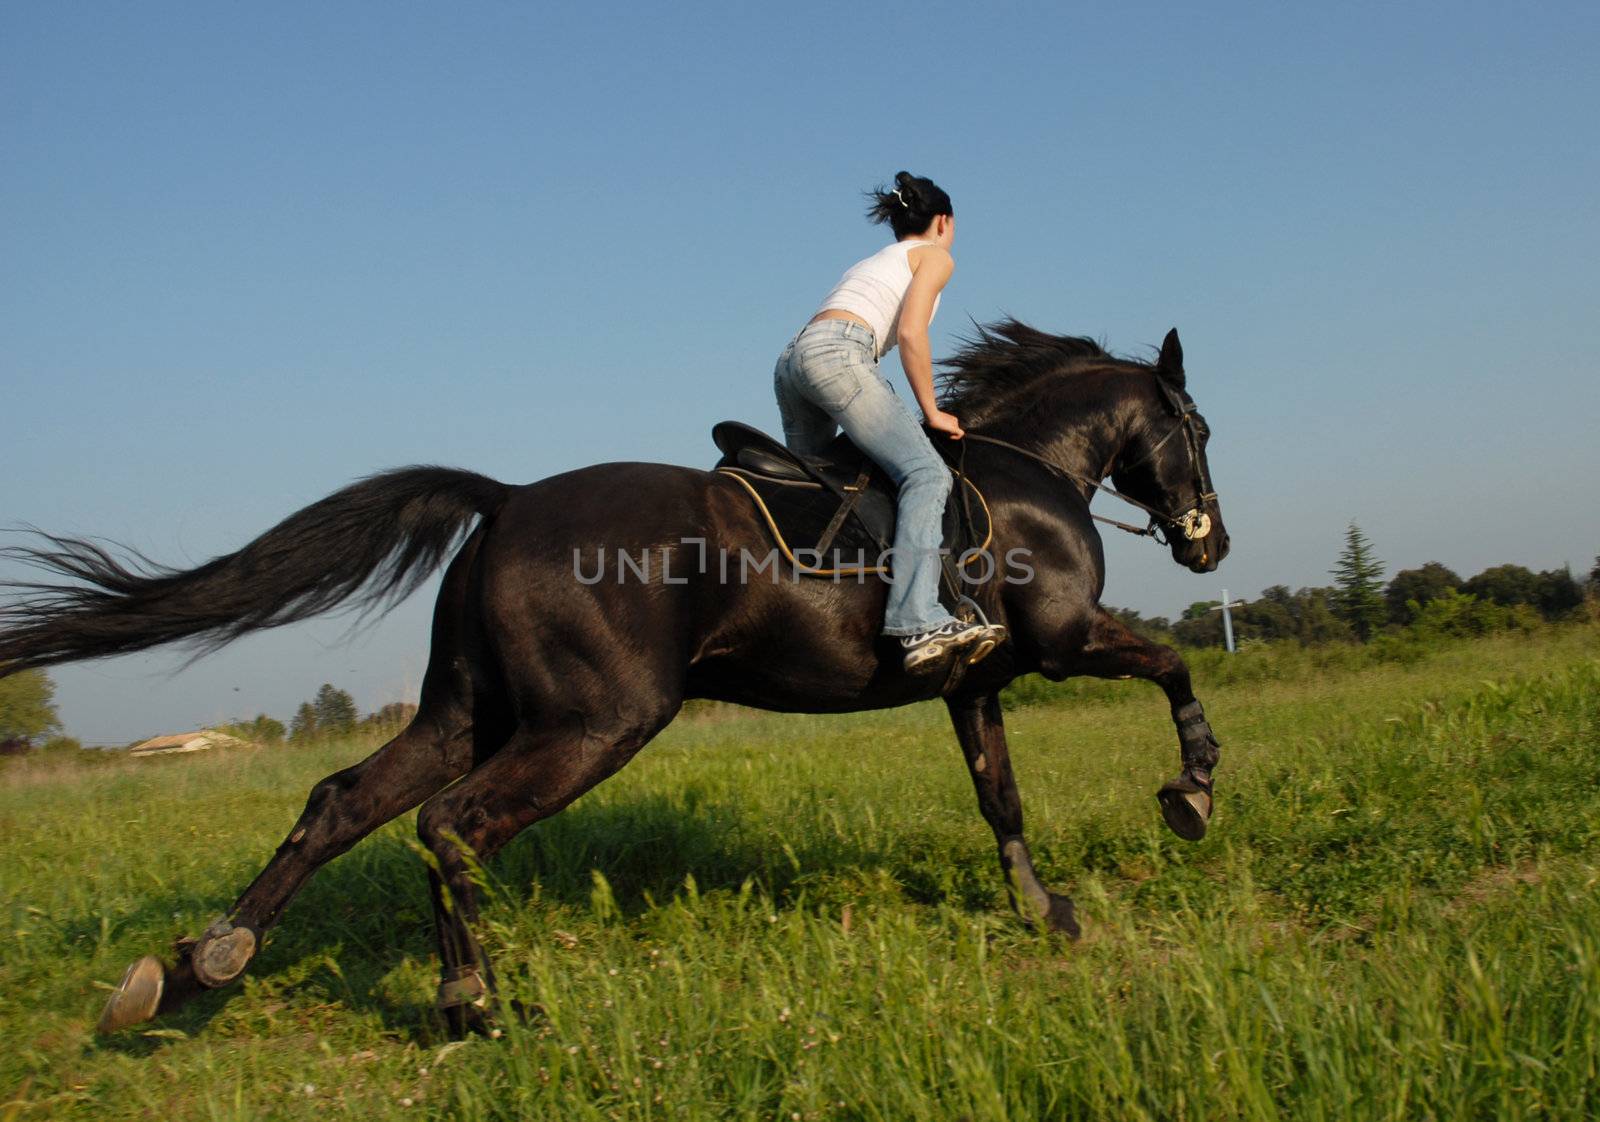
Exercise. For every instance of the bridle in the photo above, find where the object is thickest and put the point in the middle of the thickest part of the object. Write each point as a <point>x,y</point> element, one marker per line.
<point>1194,523</point>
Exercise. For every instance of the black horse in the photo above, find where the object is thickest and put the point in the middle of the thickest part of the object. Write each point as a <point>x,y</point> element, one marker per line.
<point>542,681</point>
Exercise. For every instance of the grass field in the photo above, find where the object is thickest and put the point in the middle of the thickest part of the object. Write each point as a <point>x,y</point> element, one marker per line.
<point>1395,916</point>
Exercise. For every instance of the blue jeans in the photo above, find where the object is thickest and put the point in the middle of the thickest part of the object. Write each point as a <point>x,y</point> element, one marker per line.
<point>827,379</point>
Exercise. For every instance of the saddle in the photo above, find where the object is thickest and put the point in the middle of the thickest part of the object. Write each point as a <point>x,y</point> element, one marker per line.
<point>834,516</point>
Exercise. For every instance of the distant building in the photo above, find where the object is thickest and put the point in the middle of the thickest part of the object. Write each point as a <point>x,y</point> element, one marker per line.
<point>186,742</point>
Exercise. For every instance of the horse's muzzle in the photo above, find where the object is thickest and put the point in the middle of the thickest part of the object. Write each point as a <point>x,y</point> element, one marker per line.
<point>1202,555</point>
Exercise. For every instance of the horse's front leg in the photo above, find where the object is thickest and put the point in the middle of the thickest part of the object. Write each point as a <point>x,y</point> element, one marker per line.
<point>983,740</point>
<point>1113,651</point>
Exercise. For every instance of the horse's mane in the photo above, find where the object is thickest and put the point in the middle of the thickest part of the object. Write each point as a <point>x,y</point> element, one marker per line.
<point>1004,361</point>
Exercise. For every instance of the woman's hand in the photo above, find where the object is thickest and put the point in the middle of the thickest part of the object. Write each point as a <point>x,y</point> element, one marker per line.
<point>940,421</point>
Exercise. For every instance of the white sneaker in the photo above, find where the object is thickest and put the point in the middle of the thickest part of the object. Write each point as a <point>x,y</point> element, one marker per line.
<point>930,646</point>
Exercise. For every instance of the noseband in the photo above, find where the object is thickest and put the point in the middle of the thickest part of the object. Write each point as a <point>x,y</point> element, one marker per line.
<point>1194,524</point>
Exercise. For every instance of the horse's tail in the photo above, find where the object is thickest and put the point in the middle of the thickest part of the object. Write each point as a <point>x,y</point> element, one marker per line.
<point>370,544</point>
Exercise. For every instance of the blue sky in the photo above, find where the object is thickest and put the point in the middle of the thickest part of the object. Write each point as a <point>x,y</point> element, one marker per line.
<point>252,252</point>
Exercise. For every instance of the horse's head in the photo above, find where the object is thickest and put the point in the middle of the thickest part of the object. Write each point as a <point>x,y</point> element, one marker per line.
<point>1163,465</point>
<point>1065,400</point>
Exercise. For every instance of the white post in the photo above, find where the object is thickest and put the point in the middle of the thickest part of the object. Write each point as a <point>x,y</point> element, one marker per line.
<point>1227,618</point>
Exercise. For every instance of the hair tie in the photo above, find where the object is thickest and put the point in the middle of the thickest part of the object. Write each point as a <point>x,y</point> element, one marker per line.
<point>902,198</point>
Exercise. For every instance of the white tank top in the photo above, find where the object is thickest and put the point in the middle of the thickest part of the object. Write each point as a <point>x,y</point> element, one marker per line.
<point>874,288</point>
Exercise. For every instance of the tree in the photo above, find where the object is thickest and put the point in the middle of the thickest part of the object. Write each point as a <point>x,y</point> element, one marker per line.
<point>304,725</point>
<point>1277,613</point>
<point>1272,615</point>
<point>262,730</point>
<point>391,718</point>
<point>1198,630</point>
<point>1429,582</point>
<point>336,711</point>
<point>1317,619</point>
<point>27,706</point>
<point>1505,584</point>
<point>1594,578</point>
<point>1557,592</point>
<point>1155,628</point>
<point>1358,597</point>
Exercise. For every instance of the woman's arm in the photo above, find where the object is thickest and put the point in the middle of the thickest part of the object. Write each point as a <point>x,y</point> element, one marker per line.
<point>928,278</point>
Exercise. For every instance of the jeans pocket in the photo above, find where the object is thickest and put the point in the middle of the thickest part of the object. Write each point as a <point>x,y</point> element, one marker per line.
<point>832,386</point>
<point>830,373</point>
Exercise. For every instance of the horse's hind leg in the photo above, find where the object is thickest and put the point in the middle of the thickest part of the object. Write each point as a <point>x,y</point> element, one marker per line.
<point>342,809</point>
<point>535,775</point>
<point>1113,651</point>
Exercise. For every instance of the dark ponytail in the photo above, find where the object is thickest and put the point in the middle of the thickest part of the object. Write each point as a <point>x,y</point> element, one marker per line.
<point>910,206</point>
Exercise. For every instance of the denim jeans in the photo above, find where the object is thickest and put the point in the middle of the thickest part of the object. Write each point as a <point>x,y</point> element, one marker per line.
<point>827,379</point>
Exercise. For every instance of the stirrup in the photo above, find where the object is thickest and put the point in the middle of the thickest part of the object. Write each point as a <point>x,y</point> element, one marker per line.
<point>994,633</point>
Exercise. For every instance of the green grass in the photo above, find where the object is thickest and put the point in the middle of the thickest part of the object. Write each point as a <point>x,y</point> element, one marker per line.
<point>1395,916</point>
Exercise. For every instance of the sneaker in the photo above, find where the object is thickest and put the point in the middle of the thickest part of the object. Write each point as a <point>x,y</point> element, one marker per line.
<point>994,634</point>
<point>929,646</point>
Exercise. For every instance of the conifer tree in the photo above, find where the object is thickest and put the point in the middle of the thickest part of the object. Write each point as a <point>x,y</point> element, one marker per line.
<point>1358,594</point>
<point>304,726</point>
<point>336,710</point>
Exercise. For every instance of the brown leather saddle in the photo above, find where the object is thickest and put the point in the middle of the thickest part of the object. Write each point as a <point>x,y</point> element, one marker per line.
<point>834,516</point>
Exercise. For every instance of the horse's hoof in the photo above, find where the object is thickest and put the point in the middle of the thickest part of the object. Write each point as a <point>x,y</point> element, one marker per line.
<point>1063,917</point>
<point>221,954</point>
<point>466,1001</point>
<point>471,1020</point>
<point>1186,806</point>
<point>136,997</point>
<point>471,1008</point>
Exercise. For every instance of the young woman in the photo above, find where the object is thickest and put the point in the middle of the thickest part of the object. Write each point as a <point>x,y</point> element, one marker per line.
<point>827,378</point>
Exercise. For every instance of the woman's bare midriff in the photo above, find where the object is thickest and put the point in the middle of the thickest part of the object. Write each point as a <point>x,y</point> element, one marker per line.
<point>838,313</point>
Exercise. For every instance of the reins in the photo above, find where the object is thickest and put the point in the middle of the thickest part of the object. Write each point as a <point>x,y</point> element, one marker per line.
<point>1189,522</point>
<point>1142,531</point>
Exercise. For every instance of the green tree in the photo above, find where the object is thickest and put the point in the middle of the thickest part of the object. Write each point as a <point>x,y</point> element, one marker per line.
<point>1267,617</point>
<point>262,730</point>
<point>391,718</point>
<point>1557,593</point>
<point>1457,613</point>
<point>1199,626</point>
<point>1317,620</point>
<point>1594,578</point>
<point>336,711</point>
<point>1505,584</point>
<point>1149,627</point>
<point>304,725</point>
<point>1357,596</point>
<point>1429,582</point>
<point>27,706</point>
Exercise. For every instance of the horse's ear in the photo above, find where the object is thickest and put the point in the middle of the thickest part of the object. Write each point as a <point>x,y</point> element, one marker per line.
<point>1170,364</point>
